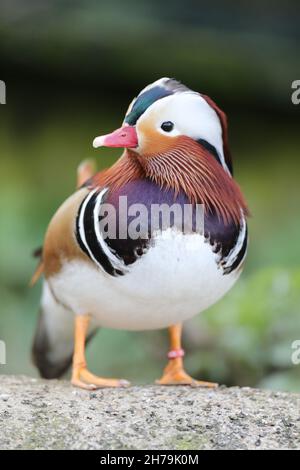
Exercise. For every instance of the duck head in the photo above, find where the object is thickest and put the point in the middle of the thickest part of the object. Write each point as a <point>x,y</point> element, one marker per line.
<point>179,139</point>
<point>163,115</point>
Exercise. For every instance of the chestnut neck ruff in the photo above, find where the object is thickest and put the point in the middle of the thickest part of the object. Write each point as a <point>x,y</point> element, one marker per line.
<point>188,167</point>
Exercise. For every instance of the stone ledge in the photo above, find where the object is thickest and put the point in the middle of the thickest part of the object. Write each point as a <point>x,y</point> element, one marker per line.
<point>39,414</point>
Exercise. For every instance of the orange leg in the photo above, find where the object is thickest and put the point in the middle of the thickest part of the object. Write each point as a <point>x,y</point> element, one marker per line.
<point>174,373</point>
<point>81,377</point>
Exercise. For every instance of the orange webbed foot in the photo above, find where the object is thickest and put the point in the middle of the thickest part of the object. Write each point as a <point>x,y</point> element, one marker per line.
<point>174,374</point>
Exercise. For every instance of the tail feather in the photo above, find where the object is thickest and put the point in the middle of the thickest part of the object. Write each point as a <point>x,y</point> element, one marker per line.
<point>49,367</point>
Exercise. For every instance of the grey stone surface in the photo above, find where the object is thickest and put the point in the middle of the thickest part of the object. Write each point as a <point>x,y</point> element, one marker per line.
<point>38,414</point>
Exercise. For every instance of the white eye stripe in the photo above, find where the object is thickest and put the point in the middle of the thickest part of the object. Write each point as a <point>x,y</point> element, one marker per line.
<point>192,116</point>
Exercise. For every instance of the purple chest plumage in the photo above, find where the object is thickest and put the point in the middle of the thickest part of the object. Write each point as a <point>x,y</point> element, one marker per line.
<point>221,236</point>
<point>133,204</point>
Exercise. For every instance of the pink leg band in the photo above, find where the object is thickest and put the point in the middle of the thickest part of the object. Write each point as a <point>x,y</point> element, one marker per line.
<point>175,353</point>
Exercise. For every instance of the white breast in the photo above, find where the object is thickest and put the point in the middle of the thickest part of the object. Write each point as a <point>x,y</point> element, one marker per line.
<point>177,278</point>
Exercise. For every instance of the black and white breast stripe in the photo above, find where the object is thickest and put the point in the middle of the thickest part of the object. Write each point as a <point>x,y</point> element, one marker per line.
<point>115,256</point>
<point>236,255</point>
<point>89,236</point>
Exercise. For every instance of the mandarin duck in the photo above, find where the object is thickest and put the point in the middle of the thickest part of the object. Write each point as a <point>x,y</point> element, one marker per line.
<point>111,264</point>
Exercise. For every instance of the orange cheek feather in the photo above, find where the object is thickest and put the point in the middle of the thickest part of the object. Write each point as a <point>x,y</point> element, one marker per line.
<point>153,142</point>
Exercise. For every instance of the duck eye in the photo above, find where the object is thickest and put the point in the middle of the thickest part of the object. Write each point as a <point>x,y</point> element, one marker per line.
<point>167,126</point>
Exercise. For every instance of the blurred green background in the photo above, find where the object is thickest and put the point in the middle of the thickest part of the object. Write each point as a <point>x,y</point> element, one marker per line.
<point>71,69</point>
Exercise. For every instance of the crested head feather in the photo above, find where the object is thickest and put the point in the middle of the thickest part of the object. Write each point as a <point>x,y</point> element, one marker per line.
<point>224,124</point>
<point>156,91</point>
